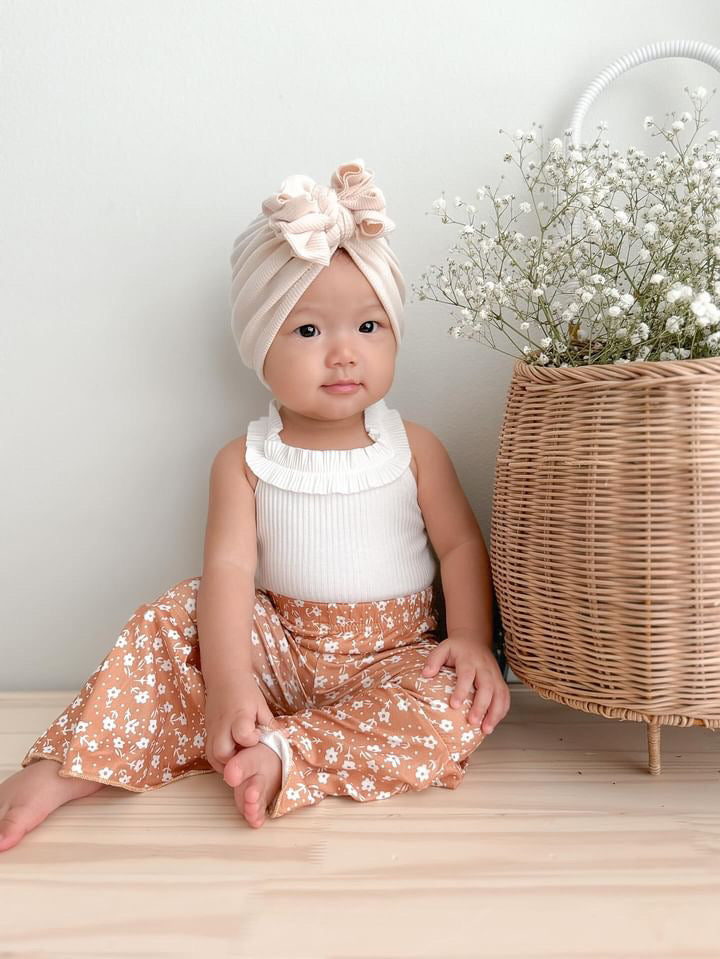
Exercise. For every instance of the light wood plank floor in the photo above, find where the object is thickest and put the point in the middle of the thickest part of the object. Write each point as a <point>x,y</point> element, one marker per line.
<point>557,844</point>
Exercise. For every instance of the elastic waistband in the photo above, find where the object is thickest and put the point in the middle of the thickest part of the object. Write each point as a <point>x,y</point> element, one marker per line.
<point>400,610</point>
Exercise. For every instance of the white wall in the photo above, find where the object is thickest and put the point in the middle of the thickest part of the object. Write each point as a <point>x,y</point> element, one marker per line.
<point>138,139</point>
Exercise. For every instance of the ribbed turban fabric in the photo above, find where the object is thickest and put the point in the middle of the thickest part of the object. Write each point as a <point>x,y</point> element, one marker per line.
<point>276,258</point>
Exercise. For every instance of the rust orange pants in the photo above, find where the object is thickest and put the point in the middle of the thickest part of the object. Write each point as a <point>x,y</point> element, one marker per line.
<point>343,681</point>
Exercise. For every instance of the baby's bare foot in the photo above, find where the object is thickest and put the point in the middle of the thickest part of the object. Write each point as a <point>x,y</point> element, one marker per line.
<point>30,795</point>
<point>255,773</point>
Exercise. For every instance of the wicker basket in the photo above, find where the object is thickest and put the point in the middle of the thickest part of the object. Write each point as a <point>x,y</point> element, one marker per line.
<point>605,535</point>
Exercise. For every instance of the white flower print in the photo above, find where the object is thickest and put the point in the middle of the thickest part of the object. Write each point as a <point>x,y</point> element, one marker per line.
<point>331,755</point>
<point>429,742</point>
<point>467,737</point>
<point>395,741</point>
<point>131,727</point>
<point>446,725</point>
<point>152,725</point>
<point>91,745</point>
<point>172,634</point>
<point>383,795</point>
<point>149,615</point>
<point>283,645</point>
<point>194,584</point>
<point>81,726</point>
<point>438,706</point>
<point>150,679</point>
<point>142,696</point>
<point>128,660</point>
<point>331,646</point>
<point>384,716</point>
<point>368,784</point>
<point>108,723</point>
<point>422,773</point>
<point>379,644</point>
<point>367,727</point>
<point>189,632</point>
<point>315,610</point>
<point>403,705</point>
<point>105,772</point>
<point>323,777</point>
<point>358,704</point>
<point>143,743</point>
<point>118,743</point>
<point>349,763</point>
<point>121,642</point>
<point>190,604</point>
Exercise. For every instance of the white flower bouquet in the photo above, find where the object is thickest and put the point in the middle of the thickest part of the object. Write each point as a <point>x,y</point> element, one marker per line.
<point>624,264</point>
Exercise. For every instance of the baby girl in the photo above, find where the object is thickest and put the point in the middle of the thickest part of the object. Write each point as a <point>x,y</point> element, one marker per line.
<point>304,662</point>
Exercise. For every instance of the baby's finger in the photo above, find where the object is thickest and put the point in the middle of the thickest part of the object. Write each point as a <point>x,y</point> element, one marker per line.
<point>434,661</point>
<point>244,731</point>
<point>479,708</point>
<point>463,687</point>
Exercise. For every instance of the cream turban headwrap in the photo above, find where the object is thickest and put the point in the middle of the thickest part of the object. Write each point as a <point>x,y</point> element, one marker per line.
<point>287,245</point>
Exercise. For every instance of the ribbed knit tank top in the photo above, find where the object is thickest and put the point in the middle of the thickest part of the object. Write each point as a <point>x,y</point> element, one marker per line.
<point>339,526</point>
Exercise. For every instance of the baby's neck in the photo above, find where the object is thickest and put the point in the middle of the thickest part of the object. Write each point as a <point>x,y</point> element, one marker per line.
<point>310,434</point>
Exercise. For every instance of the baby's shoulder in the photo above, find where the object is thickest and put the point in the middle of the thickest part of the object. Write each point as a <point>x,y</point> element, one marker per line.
<point>417,440</point>
<point>236,449</point>
<point>423,444</point>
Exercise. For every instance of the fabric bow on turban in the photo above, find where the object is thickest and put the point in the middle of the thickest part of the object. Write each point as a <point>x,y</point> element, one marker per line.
<point>286,246</point>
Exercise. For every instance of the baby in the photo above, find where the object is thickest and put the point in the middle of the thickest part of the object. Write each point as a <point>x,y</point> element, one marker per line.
<point>304,662</point>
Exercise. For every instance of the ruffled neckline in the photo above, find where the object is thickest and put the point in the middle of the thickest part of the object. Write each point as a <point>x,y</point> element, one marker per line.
<point>329,471</point>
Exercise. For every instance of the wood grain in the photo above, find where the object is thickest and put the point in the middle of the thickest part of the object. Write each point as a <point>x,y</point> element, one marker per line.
<point>557,845</point>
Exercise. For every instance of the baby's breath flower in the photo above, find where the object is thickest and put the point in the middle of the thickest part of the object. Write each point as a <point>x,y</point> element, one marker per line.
<point>597,284</point>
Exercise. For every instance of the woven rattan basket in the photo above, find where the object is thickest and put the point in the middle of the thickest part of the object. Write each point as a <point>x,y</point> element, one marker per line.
<point>605,536</point>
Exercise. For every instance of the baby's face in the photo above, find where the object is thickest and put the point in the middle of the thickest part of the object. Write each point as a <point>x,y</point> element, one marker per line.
<point>338,330</point>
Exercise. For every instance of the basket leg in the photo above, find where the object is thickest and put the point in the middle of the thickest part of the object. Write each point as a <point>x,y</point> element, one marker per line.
<point>653,735</point>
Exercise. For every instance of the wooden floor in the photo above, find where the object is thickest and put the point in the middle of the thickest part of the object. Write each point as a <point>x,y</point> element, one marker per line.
<point>557,844</point>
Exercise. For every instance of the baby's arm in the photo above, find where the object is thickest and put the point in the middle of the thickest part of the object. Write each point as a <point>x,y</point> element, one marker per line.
<point>456,538</point>
<point>466,581</point>
<point>226,597</point>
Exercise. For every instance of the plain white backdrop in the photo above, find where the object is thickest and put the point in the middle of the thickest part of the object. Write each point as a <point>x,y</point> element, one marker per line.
<point>137,140</point>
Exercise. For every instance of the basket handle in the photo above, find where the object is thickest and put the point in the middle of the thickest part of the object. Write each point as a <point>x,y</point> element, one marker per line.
<point>694,49</point>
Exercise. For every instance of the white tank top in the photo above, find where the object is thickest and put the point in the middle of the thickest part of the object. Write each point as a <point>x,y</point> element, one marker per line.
<point>340,526</point>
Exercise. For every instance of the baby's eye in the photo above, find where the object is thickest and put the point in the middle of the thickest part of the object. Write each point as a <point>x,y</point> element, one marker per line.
<point>305,326</point>
<point>312,326</point>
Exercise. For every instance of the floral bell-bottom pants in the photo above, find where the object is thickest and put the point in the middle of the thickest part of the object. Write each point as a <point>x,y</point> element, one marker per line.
<point>344,682</point>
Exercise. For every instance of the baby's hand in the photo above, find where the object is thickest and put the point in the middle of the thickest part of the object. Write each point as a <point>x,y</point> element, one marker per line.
<point>475,665</point>
<point>232,716</point>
